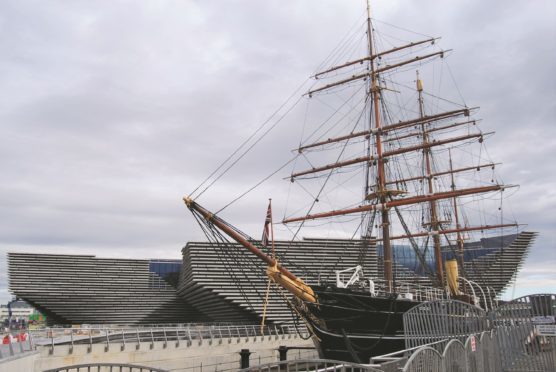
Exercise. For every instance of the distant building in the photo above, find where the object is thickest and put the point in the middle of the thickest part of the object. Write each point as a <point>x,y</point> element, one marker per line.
<point>19,309</point>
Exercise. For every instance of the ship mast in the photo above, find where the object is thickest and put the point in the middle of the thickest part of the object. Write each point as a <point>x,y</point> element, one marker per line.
<point>427,154</point>
<point>456,215</point>
<point>381,174</point>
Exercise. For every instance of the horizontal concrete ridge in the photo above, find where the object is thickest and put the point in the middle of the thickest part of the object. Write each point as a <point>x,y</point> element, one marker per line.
<point>499,268</point>
<point>220,282</point>
<point>84,289</point>
<point>495,269</point>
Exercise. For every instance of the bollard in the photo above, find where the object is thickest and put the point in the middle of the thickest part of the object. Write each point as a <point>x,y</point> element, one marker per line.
<point>283,351</point>
<point>244,361</point>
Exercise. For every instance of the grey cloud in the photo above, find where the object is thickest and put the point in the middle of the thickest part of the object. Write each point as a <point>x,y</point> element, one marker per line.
<point>111,111</point>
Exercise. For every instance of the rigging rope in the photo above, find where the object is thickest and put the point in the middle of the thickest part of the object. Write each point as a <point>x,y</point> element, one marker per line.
<point>236,151</point>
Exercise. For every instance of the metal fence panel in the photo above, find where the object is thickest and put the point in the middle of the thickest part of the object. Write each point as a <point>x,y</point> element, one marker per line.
<point>488,351</point>
<point>520,344</point>
<point>426,359</point>
<point>320,365</point>
<point>100,367</point>
<point>445,319</point>
<point>474,354</point>
<point>454,359</point>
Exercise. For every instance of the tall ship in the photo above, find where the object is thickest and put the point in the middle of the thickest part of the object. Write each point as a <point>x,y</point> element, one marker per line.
<point>388,162</point>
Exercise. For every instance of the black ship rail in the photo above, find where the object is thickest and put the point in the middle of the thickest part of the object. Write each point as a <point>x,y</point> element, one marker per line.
<point>417,291</point>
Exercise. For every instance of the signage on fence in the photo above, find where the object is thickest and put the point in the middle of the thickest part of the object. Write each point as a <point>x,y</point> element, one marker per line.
<point>546,329</point>
<point>473,344</point>
<point>543,320</point>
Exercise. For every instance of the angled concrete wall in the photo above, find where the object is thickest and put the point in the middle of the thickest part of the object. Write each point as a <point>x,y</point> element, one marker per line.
<point>80,289</point>
<point>227,283</point>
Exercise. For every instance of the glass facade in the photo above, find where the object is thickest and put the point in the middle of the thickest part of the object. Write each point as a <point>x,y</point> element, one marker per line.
<point>405,256</point>
<point>169,270</point>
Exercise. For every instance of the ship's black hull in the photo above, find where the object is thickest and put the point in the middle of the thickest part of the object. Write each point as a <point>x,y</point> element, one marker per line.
<point>355,326</point>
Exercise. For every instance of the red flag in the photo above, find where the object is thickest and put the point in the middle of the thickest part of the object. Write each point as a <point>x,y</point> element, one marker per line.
<point>266,229</point>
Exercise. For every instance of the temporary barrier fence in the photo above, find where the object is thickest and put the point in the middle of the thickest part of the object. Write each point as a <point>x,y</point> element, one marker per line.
<point>519,323</point>
<point>13,345</point>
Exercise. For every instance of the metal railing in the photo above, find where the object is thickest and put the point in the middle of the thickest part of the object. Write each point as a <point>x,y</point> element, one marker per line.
<point>188,335</point>
<point>518,335</point>
<point>439,320</point>
<point>322,365</point>
<point>409,290</point>
<point>519,323</point>
<point>296,357</point>
<point>420,292</point>
<point>100,367</point>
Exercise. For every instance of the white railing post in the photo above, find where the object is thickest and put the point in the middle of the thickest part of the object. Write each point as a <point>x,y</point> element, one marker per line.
<point>122,348</point>
<point>107,347</point>
<point>11,347</point>
<point>71,342</point>
<point>51,342</point>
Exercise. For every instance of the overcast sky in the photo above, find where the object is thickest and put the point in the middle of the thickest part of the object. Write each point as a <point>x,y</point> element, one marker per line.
<point>111,111</point>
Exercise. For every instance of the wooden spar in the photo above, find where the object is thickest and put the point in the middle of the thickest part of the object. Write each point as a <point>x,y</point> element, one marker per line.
<point>427,119</point>
<point>435,129</point>
<point>428,145</point>
<point>275,271</point>
<point>340,82</point>
<point>453,171</point>
<point>397,49</point>
<point>381,174</point>
<point>398,203</point>
<point>376,72</point>
<point>417,58</point>
<point>236,236</point>
<point>347,64</point>
<point>386,154</point>
<point>368,58</point>
<point>433,212</point>
<point>390,127</point>
<point>450,231</point>
<point>365,133</point>
<point>339,164</point>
